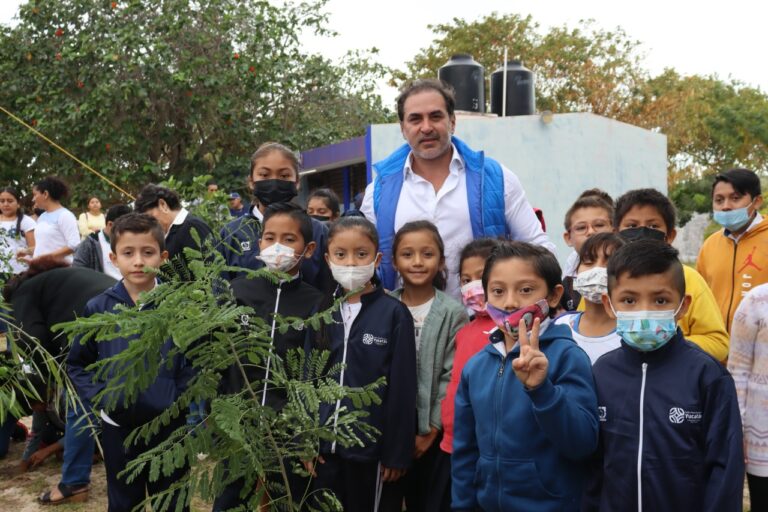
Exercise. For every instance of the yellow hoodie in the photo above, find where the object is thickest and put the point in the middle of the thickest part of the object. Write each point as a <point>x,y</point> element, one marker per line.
<point>731,269</point>
<point>702,324</point>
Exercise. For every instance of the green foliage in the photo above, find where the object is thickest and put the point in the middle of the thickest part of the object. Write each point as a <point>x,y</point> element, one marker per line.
<point>146,90</point>
<point>691,197</point>
<point>710,124</point>
<point>241,437</point>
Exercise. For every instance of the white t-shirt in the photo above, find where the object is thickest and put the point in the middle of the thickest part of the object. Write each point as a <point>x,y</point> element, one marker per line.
<point>11,242</point>
<point>594,347</point>
<point>109,268</point>
<point>419,314</point>
<point>56,230</point>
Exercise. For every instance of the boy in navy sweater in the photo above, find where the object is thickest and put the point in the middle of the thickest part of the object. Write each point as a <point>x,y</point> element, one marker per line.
<point>670,430</point>
<point>137,242</point>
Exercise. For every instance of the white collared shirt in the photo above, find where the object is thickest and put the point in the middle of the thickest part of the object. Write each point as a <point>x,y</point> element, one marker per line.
<point>179,220</point>
<point>448,209</point>
<point>757,220</point>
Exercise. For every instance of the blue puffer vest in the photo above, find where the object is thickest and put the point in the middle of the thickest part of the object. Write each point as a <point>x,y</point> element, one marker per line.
<point>485,194</point>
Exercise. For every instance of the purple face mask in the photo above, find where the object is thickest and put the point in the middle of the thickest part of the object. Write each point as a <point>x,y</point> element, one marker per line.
<point>509,321</point>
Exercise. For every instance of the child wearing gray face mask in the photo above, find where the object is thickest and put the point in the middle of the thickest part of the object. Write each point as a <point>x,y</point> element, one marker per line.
<point>593,329</point>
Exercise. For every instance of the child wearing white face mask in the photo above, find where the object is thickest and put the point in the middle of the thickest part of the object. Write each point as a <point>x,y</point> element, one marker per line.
<point>286,241</point>
<point>373,336</point>
<point>593,329</point>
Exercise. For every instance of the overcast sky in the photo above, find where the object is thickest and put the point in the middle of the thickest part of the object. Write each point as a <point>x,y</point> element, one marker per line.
<point>694,37</point>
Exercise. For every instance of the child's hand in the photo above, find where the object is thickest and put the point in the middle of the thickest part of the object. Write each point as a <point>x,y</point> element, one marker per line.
<point>391,474</point>
<point>531,366</point>
<point>424,442</point>
<point>310,465</point>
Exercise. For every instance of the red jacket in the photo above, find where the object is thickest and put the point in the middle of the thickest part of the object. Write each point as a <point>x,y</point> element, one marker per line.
<point>469,341</point>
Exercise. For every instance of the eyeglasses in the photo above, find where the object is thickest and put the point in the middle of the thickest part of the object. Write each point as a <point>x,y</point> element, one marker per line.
<point>598,226</point>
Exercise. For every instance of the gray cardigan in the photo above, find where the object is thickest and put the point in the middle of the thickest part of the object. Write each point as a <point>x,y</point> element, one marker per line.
<point>435,358</point>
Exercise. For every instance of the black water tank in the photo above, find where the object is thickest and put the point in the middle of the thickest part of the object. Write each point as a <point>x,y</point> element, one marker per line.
<point>467,78</point>
<point>521,100</point>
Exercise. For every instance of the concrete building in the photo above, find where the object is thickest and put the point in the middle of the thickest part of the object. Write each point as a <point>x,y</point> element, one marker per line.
<point>555,156</point>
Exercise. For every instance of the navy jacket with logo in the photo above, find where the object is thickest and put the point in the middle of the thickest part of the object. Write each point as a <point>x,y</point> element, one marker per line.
<point>672,416</point>
<point>381,343</point>
<point>240,245</point>
<point>170,382</point>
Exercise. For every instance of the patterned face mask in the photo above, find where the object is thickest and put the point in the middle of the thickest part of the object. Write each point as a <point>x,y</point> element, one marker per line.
<point>646,330</point>
<point>473,296</point>
<point>592,284</point>
<point>509,321</point>
<point>279,257</point>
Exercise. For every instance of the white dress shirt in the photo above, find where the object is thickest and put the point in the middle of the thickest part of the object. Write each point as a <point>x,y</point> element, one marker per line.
<point>448,209</point>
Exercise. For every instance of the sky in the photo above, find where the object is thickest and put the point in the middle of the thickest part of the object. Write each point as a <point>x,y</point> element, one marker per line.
<point>694,37</point>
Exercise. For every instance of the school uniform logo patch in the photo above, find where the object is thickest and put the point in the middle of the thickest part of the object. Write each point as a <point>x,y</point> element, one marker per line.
<point>602,413</point>
<point>678,415</point>
<point>245,245</point>
<point>370,339</point>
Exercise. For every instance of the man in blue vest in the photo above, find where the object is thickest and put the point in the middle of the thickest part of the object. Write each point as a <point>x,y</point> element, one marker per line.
<point>437,177</point>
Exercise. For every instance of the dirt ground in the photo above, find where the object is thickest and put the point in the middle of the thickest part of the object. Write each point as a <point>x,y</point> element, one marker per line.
<point>19,492</point>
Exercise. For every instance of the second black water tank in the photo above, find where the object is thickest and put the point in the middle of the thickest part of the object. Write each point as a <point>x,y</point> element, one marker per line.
<point>467,78</point>
<point>521,100</point>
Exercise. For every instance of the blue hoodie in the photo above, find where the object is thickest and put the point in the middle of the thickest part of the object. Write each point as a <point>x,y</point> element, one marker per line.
<point>524,450</point>
<point>166,388</point>
<point>671,416</point>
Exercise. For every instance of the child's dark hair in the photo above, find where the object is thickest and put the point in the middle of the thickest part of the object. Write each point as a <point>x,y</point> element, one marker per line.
<point>328,197</point>
<point>601,244</point>
<point>644,258</point>
<point>479,248</point>
<point>294,212</point>
<point>137,223</point>
<point>597,192</point>
<point>55,187</point>
<point>19,210</point>
<point>544,263</point>
<point>594,200</point>
<point>441,278</point>
<point>150,197</point>
<point>743,181</point>
<point>645,197</point>
<point>361,223</point>
<point>116,211</point>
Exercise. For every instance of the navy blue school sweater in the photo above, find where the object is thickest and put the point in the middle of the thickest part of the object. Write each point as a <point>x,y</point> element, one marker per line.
<point>670,432</point>
<point>519,450</point>
<point>240,245</point>
<point>297,299</point>
<point>381,343</point>
<point>166,388</point>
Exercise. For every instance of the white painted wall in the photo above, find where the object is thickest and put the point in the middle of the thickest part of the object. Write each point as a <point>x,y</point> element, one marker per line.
<point>557,161</point>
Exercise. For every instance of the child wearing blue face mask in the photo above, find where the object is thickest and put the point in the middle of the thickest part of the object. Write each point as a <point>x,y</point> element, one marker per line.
<point>669,418</point>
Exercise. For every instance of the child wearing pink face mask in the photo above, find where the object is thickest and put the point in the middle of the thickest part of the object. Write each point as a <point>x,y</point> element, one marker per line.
<point>469,341</point>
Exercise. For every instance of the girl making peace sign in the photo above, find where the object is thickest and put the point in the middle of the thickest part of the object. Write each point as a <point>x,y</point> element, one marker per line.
<point>525,411</point>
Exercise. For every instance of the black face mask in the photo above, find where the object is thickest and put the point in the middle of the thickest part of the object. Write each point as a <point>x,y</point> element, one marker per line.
<point>274,191</point>
<point>643,233</point>
<point>321,218</point>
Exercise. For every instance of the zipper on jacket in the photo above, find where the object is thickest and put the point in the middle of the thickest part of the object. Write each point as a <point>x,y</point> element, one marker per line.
<point>271,343</point>
<point>733,287</point>
<point>640,444</point>
<point>341,375</point>
<point>497,420</point>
